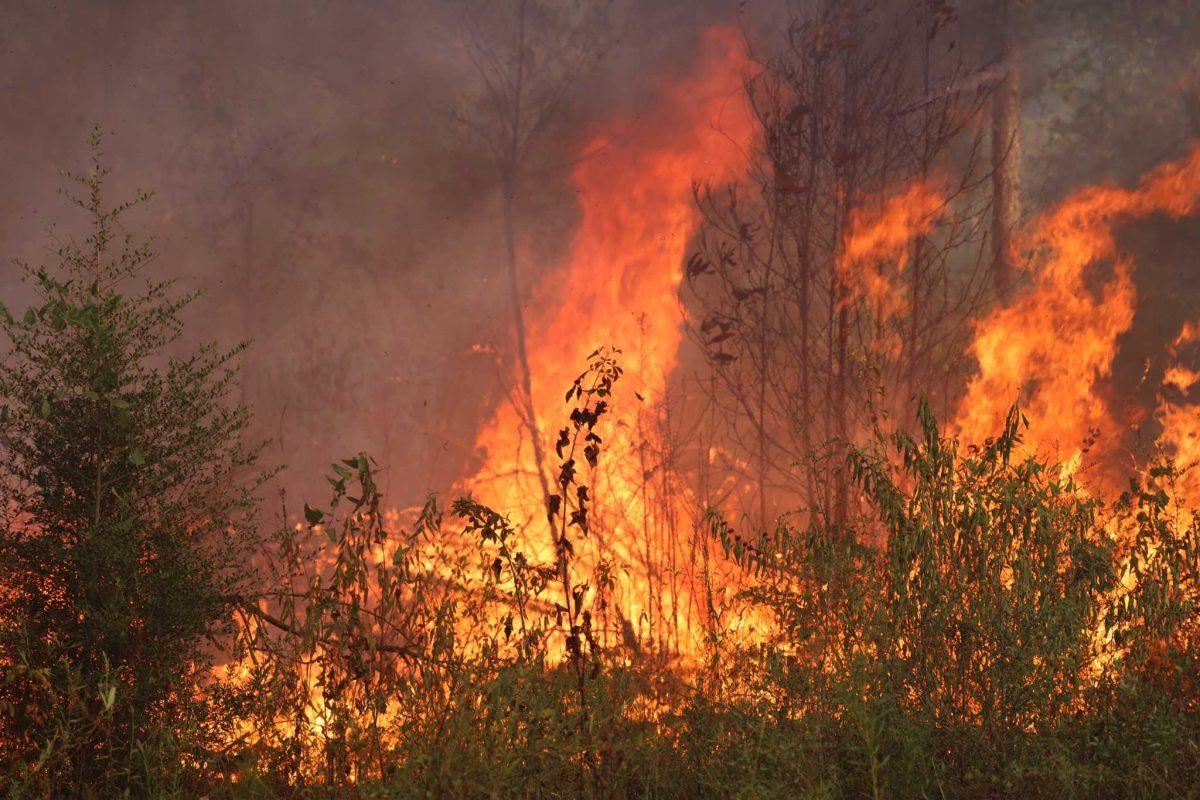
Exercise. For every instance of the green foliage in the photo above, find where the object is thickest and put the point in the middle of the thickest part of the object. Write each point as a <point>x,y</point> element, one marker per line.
<point>125,527</point>
<point>1155,622</point>
<point>346,631</point>
<point>978,636</point>
<point>973,637</point>
<point>386,655</point>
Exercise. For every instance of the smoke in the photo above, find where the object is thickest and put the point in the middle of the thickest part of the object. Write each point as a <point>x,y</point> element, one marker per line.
<point>307,182</point>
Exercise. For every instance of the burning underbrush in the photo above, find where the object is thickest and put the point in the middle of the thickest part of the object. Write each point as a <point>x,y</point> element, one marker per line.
<point>984,623</point>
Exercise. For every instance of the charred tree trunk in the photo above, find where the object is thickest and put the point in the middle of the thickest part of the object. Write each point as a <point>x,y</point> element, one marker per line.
<point>914,313</point>
<point>249,310</point>
<point>806,257</point>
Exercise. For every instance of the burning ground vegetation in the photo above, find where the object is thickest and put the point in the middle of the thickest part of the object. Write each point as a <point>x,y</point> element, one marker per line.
<point>812,479</point>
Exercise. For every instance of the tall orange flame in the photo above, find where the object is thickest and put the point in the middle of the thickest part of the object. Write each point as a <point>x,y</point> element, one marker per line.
<point>1178,415</point>
<point>1054,344</point>
<point>619,283</point>
<point>1051,346</point>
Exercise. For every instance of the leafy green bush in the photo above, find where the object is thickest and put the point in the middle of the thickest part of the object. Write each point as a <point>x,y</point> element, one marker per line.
<point>974,636</point>
<point>126,520</point>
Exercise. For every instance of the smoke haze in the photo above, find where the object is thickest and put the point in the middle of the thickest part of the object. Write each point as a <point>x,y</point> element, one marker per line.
<point>308,181</point>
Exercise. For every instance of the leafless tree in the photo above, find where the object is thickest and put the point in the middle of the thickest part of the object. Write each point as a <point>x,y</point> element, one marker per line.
<point>527,55</point>
<point>858,104</point>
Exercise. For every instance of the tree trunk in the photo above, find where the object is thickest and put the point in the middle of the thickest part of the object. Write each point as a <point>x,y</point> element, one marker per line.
<point>525,404</point>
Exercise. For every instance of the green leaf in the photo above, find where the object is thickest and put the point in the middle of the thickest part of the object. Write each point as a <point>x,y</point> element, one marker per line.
<point>137,456</point>
<point>30,316</point>
<point>313,515</point>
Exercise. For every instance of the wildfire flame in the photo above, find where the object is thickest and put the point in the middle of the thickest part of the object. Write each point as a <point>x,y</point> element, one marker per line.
<point>1054,344</point>
<point>1180,420</point>
<point>1051,346</point>
<point>618,285</point>
<point>876,251</point>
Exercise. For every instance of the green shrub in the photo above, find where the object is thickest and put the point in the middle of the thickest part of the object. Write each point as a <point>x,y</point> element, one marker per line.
<point>126,520</point>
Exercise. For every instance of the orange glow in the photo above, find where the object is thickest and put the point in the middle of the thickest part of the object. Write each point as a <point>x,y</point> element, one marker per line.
<point>1180,419</point>
<point>875,253</point>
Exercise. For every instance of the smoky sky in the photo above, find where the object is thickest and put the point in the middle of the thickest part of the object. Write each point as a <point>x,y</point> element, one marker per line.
<point>307,180</point>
